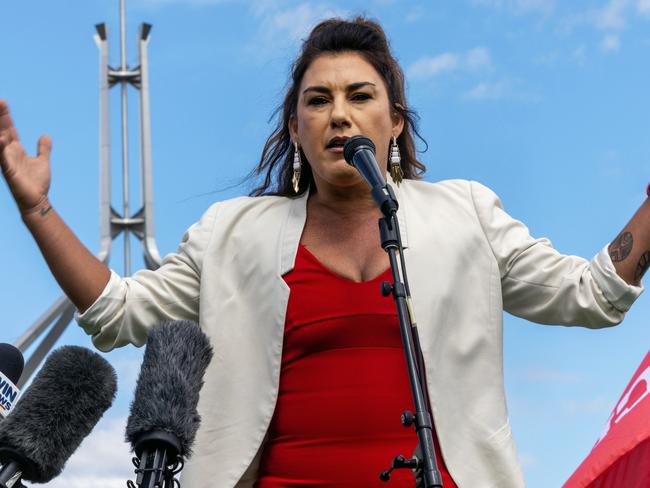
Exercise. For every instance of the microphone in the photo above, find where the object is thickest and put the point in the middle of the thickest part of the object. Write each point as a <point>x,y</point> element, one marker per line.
<point>11,367</point>
<point>67,398</point>
<point>163,420</point>
<point>359,151</point>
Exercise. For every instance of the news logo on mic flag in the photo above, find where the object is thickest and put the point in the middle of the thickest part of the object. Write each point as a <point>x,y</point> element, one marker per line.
<point>9,394</point>
<point>621,455</point>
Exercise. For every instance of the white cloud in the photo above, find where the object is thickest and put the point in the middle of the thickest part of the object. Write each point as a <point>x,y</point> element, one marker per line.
<point>610,43</point>
<point>579,54</point>
<point>428,67</point>
<point>519,7</point>
<point>193,3</point>
<point>86,481</point>
<point>548,59</point>
<point>612,19</point>
<point>128,370</point>
<point>475,62</point>
<point>282,27</point>
<point>478,58</point>
<point>534,6</point>
<point>598,405</point>
<point>415,14</point>
<point>542,374</point>
<point>487,91</point>
<point>643,7</point>
<point>431,66</point>
<point>102,461</point>
<point>527,460</point>
<point>612,16</point>
<point>295,22</point>
<point>488,3</point>
<point>505,88</point>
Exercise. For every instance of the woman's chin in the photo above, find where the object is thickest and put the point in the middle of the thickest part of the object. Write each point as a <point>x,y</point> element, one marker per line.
<point>342,179</point>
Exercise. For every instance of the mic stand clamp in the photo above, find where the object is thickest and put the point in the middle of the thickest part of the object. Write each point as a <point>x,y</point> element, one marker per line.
<point>11,476</point>
<point>423,463</point>
<point>14,467</point>
<point>157,461</point>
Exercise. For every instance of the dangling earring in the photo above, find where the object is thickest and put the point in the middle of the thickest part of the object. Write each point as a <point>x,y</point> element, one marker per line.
<point>296,167</point>
<point>395,163</point>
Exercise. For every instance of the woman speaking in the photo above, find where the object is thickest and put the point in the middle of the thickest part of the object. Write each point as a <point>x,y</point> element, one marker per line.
<point>308,378</point>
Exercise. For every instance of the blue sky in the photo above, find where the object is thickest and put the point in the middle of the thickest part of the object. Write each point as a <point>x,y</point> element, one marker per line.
<point>546,102</point>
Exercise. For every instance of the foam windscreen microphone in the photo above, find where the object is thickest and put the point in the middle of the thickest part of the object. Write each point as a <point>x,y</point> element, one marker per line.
<point>65,401</point>
<point>11,368</point>
<point>164,420</point>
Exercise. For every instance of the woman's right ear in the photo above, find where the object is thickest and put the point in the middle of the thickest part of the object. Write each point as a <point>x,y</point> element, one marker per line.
<point>293,129</point>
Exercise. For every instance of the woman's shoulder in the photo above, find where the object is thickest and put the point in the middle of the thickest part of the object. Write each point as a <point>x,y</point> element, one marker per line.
<point>246,205</point>
<point>455,189</point>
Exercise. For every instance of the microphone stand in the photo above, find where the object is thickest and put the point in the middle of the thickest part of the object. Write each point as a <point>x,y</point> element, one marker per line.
<point>423,463</point>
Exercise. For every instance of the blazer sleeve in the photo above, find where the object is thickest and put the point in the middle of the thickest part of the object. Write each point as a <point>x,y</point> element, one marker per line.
<point>542,285</point>
<point>128,307</point>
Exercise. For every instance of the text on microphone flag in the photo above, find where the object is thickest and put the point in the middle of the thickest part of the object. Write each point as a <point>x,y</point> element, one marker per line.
<point>8,395</point>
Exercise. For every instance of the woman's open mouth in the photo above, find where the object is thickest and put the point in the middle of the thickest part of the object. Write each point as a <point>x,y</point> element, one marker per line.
<point>335,144</point>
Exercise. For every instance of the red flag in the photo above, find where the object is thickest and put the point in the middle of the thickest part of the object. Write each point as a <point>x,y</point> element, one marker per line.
<point>621,456</point>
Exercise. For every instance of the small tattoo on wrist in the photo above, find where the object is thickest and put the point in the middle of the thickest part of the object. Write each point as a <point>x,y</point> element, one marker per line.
<point>44,211</point>
<point>621,247</point>
<point>642,267</point>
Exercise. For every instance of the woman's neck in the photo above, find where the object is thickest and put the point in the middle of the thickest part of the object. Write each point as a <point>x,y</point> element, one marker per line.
<point>346,202</point>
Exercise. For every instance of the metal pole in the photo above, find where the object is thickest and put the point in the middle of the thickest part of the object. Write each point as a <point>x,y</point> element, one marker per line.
<point>56,318</point>
<point>105,209</point>
<point>125,143</point>
<point>151,254</point>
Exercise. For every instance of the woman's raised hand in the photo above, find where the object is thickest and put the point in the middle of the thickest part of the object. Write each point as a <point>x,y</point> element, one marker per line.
<point>28,177</point>
<point>81,275</point>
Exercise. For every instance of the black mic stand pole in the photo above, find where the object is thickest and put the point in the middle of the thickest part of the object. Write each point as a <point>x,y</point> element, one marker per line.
<point>423,463</point>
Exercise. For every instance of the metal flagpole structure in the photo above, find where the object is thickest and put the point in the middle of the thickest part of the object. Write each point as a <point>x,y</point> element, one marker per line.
<point>53,322</point>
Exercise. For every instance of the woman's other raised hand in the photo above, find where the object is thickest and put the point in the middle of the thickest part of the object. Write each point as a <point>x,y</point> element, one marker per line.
<point>28,177</point>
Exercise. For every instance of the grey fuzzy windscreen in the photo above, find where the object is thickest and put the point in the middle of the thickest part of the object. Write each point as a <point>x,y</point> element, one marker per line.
<point>171,377</point>
<point>65,401</point>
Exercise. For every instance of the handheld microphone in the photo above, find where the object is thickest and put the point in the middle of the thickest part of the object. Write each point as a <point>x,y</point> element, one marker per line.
<point>359,151</point>
<point>11,367</point>
<point>163,421</point>
<point>67,398</point>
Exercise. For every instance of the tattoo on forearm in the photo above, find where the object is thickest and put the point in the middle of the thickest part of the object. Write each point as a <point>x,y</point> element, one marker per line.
<point>44,211</point>
<point>642,267</point>
<point>621,247</point>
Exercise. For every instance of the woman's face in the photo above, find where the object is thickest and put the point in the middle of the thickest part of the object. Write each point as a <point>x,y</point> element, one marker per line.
<point>342,95</point>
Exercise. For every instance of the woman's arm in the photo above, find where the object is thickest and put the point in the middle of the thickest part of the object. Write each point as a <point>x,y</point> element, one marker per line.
<point>542,285</point>
<point>630,251</point>
<point>80,274</point>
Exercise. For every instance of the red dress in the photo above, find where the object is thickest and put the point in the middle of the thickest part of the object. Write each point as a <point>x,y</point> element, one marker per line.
<point>343,386</point>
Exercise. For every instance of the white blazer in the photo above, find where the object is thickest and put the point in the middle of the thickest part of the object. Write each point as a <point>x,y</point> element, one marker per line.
<point>467,262</point>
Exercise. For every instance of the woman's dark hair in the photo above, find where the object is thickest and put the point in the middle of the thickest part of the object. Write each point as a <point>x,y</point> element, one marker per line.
<point>331,36</point>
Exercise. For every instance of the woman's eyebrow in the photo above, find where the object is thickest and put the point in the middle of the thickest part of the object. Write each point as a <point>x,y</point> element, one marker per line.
<point>349,88</point>
<point>360,84</point>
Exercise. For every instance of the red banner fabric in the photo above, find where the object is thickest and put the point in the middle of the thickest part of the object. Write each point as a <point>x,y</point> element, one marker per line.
<point>621,456</point>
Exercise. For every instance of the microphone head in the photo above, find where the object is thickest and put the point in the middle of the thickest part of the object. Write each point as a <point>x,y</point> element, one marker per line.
<point>171,377</point>
<point>354,144</point>
<point>67,398</point>
<point>11,362</point>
